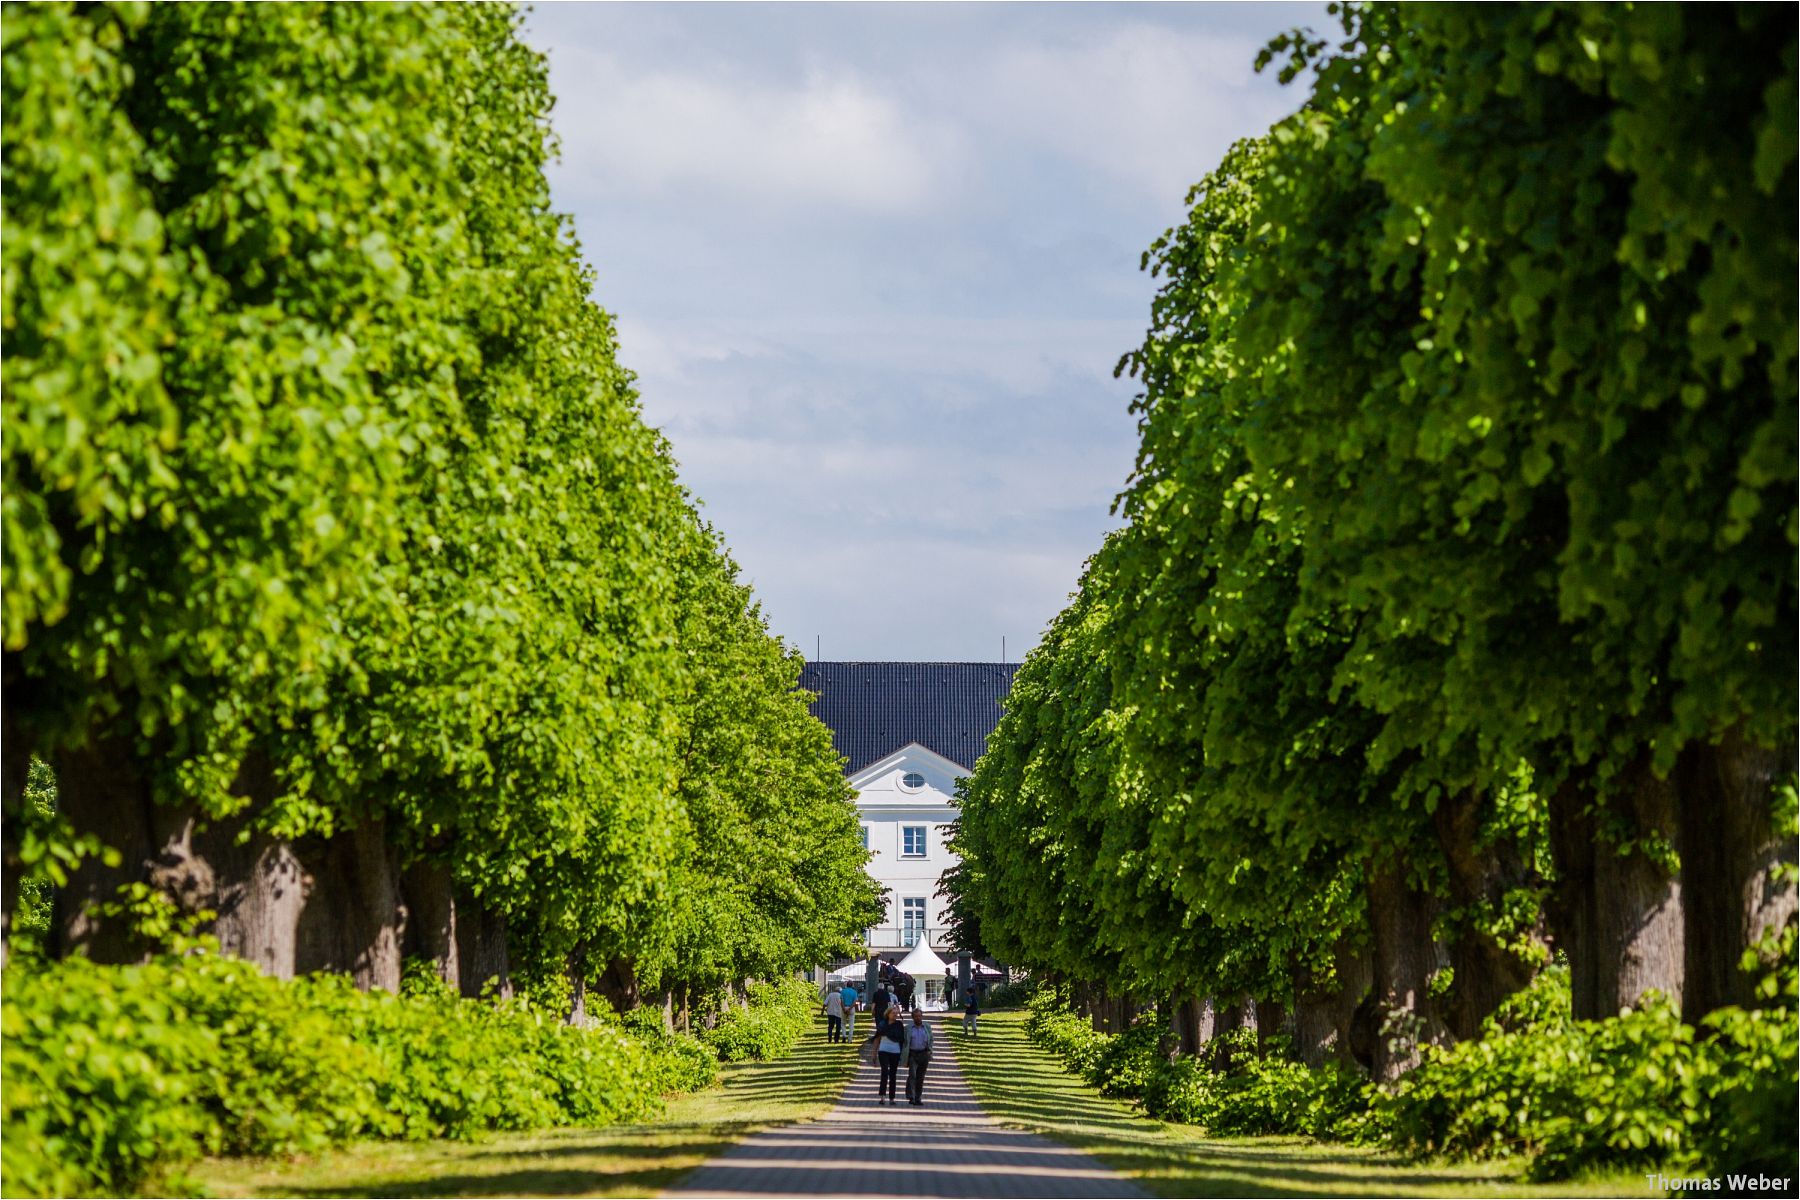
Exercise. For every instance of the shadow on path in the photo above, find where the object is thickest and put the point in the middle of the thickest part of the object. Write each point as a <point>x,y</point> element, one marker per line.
<point>947,1147</point>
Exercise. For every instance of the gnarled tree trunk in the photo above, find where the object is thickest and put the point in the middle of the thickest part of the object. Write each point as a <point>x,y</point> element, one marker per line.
<point>619,984</point>
<point>481,948</point>
<point>1404,960</point>
<point>1729,858</point>
<point>1240,1013</point>
<point>102,790</point>
<point>1196,1024</point>
<point>431,934</point>
<point>354,920</point>
<point>1486,971</point>
<point>1617,916</point>
<point>1353,1007</point>
<point>260,892</point>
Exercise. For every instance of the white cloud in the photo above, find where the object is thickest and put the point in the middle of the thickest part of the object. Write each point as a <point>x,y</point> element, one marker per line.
<point>828,139</point>
<point>1147,105</point>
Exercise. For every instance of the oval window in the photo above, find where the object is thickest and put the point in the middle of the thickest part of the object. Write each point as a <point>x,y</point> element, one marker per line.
<point>912,781</point>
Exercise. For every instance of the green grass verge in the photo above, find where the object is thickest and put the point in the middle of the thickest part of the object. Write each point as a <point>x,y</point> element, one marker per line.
<point>1023,1086</point>
<point>624,1160</point>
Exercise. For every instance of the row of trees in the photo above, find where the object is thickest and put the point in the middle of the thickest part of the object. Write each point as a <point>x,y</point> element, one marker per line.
<point>345,590</point>
<point>1453,618</point>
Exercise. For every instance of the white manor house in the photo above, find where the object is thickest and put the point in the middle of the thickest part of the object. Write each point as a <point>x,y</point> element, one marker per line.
<point>908,732</point>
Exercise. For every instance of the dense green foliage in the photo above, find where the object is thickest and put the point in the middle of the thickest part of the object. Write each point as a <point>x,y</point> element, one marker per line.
<point>1638,1090</point>
<point>1453,614</point>
<point>769,1023</point>
<point>332,522</point>
<point>112,1072</point>
<point>352,611</point>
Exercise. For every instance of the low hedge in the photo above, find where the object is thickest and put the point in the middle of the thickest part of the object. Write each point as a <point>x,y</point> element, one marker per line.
<point>776,1016</point>
<point>1642,1090</point>
<point>112,1073</point>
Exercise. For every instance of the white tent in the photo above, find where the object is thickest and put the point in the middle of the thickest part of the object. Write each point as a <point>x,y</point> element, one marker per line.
<point>921,963</point>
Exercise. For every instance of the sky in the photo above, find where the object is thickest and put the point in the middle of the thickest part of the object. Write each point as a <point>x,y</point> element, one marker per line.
<point>874,266</point>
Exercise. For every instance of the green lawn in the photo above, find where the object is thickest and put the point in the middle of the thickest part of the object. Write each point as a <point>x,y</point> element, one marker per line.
<point>1021,1085</point>
<point>626,1160</point>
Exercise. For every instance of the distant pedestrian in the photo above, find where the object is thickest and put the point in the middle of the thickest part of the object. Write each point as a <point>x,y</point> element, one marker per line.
<point>890,1044</point>
<point>918,1057</point>
<point>904,993</point>
<point>949,988</point>
<point>848,994</point>
<point>878,1004</point>
<point>834,1015</point>
<point>971,1012</point>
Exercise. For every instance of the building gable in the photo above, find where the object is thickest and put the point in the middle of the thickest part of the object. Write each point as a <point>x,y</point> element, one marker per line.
<point>885,783</point>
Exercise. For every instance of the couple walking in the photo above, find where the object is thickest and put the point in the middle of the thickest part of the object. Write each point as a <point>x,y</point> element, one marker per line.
<point>898,1043</point>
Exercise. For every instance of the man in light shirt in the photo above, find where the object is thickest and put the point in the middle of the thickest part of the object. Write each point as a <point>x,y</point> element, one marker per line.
<point>918,1057</point>
<point>834,1015</point>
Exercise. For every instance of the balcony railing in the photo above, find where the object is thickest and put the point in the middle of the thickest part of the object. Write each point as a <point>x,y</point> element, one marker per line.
<point>905,937</point>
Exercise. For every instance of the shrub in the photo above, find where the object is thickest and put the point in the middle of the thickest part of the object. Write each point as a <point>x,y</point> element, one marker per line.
<point>1051,1024</point>
<point>111,1073</point>
<point>1641,1089</point>
<point>1121,1063</point>
<point>1011,994</point>
<point>770,1025</point>
<point>682,1063</point>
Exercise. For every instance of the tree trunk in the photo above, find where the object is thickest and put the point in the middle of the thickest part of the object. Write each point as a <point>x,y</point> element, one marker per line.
<point>260,894</point>
<point>687,1012</point>
<point>1315,1027</point>
<point>1170,1011</point>
<point>15,772</point>
<point>1227,1018</point>
<point>1730,855</point>
<point>1196,1024</point>
<point>1353,1017</point>
<point>481,948</point>
<point>353,920</point>
<point>431,932</point>
<point>619,984</point>
<point>1617,916</point>
<point>101,790</point>
<point>1404,960</point>
<point>1271,1020</point>
<point>668,1012</point>
<point>578,1014</point>
<point>1486,972</point>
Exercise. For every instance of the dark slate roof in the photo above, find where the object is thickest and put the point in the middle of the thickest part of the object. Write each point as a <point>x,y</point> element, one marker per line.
<point>874,708</point>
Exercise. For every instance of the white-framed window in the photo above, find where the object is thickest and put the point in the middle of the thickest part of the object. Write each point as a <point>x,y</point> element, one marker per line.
<point>912,781</point>
<point>912,841</point>
<point>865,836</point>
<point>912,920</point>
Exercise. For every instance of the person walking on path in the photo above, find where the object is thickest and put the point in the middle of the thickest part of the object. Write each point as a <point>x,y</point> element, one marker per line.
<point>890,1042</point>
<point>971,1012</point>
<point>878,1004</point>
<point>834,1015</point>
<point>918,1057</point>
<point>849,997</point>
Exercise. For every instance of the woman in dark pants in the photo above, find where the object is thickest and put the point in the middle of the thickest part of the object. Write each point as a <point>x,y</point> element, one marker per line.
<point>890,1037</point>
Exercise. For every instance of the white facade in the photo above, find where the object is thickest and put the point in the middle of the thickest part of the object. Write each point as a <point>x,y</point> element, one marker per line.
<point>904,801</point>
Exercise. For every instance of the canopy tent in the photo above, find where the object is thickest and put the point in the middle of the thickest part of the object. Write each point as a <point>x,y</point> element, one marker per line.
<point>921,963</point>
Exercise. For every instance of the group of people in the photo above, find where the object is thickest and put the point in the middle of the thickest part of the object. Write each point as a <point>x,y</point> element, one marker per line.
<point>896,1042</point>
